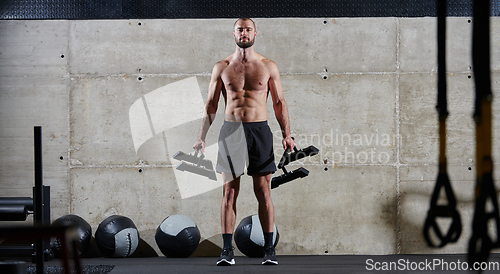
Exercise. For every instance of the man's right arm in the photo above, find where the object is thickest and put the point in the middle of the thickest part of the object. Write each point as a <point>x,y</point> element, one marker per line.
<point>210,109</point>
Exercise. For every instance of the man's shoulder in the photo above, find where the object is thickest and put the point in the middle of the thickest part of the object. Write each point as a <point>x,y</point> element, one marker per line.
<point>220,66</point>
<point>222,63</point>
<point>270,64</point>
<point>265,60</point>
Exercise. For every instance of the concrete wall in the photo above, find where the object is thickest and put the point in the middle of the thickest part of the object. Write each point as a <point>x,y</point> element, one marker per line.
<point>362,90</point>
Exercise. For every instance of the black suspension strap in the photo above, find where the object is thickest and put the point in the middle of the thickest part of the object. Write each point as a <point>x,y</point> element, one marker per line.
<point>481,242</point>
<point>448,210</point>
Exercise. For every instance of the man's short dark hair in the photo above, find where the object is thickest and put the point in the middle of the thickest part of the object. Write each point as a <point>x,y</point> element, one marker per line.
<point>245,19</point>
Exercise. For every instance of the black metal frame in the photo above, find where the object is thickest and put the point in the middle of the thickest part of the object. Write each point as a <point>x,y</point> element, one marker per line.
<point>40,204</point>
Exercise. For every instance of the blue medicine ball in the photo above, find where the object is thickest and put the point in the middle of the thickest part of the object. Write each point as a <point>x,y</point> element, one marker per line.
<point>249,237</point>
<point>177,236</point>
<point>117,236</point>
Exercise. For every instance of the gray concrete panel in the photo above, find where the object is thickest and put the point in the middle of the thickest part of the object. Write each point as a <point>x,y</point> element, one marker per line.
<point>495,86</point>
<point>419,119</point>
<point>341,210</point>
<point>329,45</point>
<point>417,185</point>
<point>350,118</point>
<point>34,48</point>
<point>100,121</point>
<point>418,44</point>
<point>25,103</point>
<point>495,43</point>
<point>101,47</point>
<point>146,197</point>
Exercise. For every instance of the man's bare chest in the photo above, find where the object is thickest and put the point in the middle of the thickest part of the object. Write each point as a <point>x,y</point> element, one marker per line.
<point>248,77</point>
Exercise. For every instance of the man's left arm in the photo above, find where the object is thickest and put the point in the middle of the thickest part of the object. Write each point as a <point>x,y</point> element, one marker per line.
<point>279,105</point>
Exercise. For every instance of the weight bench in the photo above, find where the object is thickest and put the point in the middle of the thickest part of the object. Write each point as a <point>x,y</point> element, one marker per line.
<point>18,209</point>
<point>15,208</point>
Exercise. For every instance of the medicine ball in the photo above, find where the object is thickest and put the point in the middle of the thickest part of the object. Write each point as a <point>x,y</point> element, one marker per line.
<point>249,236</point>
<point>83,230</point>
<point>117,236</point>
<point>177,236</point>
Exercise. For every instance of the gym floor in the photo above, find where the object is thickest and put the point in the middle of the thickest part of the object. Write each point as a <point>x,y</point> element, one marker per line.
<point>449,263</point>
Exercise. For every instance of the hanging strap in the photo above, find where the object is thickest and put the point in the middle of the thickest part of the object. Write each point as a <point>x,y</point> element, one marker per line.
<point>480,244</point>
<point>442,211</point>
<point>448,210</point>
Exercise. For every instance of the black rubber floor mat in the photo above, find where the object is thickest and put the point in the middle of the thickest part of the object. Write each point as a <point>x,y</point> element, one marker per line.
<point>86,269</point>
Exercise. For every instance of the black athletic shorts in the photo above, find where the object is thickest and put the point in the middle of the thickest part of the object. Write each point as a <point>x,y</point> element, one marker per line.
<point>245,142</point>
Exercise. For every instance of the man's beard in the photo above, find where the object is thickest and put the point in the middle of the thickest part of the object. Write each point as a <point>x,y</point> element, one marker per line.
<point>245,45</point>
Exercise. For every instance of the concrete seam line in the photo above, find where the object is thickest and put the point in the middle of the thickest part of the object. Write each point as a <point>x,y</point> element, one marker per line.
<point>398,146</point>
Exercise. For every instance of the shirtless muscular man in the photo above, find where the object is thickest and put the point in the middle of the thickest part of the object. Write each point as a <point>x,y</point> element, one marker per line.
<point>245,79</point>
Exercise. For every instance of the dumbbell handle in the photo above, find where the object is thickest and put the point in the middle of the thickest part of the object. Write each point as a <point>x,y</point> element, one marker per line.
<point>284,157</point>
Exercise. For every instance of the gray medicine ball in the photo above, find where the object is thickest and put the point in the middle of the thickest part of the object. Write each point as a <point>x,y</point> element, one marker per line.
<point>177,236</point>
<point>117,236</point>
<point>249,236</point>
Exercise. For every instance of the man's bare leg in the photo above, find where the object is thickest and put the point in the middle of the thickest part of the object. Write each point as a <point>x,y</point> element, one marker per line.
<point>228,209</point>
<point>262,191</point>
<point>228,217</point>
